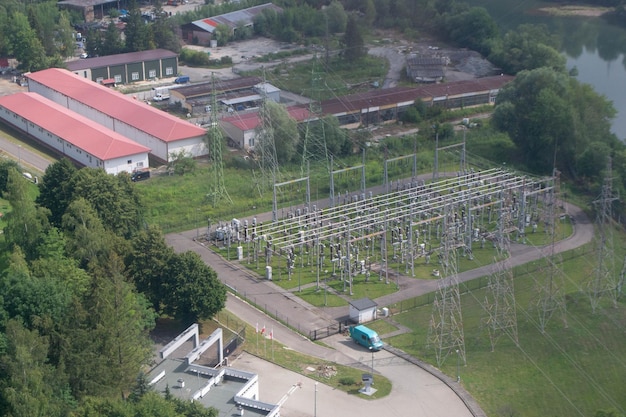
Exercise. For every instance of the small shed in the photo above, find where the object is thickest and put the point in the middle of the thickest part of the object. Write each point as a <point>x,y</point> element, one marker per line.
<point>363,310</point>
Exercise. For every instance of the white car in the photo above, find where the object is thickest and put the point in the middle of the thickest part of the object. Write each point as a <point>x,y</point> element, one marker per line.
<point>84,55</point>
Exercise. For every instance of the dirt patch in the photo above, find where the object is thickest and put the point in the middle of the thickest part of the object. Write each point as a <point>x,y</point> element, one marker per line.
<point>586,11</point>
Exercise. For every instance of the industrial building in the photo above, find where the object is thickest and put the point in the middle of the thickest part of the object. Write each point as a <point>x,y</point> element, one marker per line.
<point>201,31</point>
<point>127,68</point>
<point>186,372</point>
<point>72,135</point>
<point>387,105</point>
<point>241,129</point>
<point>161,132</point>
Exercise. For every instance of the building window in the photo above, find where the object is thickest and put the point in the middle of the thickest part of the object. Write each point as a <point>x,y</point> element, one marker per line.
<point>140,164</point>
<point>152,73</point>
<point>118,78</point>
<point>134,76</point>
<point>130,161</point>
<point>99,80</point>
<point>169,71</point>
<point>84,74</point>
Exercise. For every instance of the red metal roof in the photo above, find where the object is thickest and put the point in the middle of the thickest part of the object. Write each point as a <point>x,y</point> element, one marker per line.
<point>81,132</point>
<point>393,96</point>
<point>210,22</point>
<point>251,121</point>
<point>135,113</point>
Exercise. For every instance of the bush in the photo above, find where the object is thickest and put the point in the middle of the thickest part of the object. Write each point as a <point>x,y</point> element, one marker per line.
<point>347,381</point>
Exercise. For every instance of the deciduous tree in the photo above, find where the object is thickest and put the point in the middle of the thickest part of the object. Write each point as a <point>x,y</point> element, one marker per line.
<point>192,291</point>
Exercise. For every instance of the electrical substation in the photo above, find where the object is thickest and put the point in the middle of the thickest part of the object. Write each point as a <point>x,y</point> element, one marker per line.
<point>381,236</point>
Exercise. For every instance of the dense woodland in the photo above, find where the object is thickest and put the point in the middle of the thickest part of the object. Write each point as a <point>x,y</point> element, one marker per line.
<point>84,278</point>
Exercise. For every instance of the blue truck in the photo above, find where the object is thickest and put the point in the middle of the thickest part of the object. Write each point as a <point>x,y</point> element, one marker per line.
<point>366,337</point>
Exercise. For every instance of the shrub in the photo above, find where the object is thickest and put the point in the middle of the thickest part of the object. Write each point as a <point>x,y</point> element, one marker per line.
<point>347,381</point>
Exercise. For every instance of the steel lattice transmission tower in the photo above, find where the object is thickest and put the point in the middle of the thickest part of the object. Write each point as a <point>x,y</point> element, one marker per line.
<point>314,142</point>
<point>265,146</point>
<point>446,324</point>
<point>500,297</point>
<point>604,283</point>
<point>215,141</point>
<point>549,286</point>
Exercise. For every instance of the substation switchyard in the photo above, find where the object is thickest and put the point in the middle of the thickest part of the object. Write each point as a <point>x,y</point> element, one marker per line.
<point>379,236</point>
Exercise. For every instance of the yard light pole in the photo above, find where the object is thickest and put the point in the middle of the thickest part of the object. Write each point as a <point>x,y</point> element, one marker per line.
<point>458,361</point>
<point>19,155</point>
<point>197,226</point>
<point>315,401</point>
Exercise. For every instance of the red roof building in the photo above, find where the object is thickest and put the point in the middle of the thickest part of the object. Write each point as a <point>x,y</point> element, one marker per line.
<point>72,135</point>
<point>242,128</point>
<point>163,133</point>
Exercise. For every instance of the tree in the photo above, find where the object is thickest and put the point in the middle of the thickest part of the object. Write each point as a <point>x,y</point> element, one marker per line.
<point>354,46</point>
<point>552,117</point>
<point>95,43</point>
<point>112,43</point>
<point>182,163</point>
<point>277,129</point>
<point>163,30</point>
<point>337,140</point>
<point>336,17</point>
<point>5,166</point>
<point>473,28</point>
<point>25,222</point>
<point>222,34</point>
<point>148,265</point>
<point>192,291</point>
<point>138,34</point>
<point>29,386</point>
<point>23,43</point>
<point>64,34</point>
<point>107,341</point>
<point>113,197</point>
<point>528,47</point>
<point>54,193</point>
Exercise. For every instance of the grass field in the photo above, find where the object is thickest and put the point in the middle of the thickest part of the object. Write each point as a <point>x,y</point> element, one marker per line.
<point>576,367</point>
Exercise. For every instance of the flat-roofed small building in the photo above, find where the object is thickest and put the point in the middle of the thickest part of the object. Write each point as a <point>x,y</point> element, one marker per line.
<point>230,391</point>
<point>161,132</point>
<point>72,135</point>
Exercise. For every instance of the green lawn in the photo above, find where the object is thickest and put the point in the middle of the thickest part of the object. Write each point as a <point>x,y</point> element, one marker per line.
<point>568,370</point>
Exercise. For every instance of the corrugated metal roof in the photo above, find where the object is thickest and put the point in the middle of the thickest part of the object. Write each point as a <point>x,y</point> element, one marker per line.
<point>221,87</point>
<point>234,19</point>
<point>120,59</point>
<point>251,121</point>
<point>81,132</point>
<point>390,96</point>
<point>135,113</point>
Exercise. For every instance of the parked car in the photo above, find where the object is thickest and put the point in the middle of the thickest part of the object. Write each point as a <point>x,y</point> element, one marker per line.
<point>140,175</point>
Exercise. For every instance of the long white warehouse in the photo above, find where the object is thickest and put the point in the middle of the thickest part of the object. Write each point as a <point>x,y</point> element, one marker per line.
<point>163,133</point>
<point>71,134</point>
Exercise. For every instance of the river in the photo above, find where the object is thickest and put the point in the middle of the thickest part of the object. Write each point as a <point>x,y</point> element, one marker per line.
<point>596,48</point>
